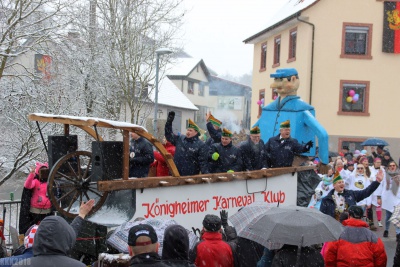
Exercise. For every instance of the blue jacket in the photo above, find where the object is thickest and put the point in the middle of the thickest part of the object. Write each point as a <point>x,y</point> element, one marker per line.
<point>9,261</point>
<point>351,198</point>
<point>252,159</point>
<point>281,153</point>
<point>190,153</point>
<point>139,165</point>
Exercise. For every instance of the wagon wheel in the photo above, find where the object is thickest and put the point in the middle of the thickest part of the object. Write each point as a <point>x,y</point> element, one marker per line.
<point>70,183</point>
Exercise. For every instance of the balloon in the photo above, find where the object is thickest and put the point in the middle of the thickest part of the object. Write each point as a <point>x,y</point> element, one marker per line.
<point>351,92</point>
<point>275,97</point>
<point>349,99</point>
<point>356,97</point>
<point>259,102</point>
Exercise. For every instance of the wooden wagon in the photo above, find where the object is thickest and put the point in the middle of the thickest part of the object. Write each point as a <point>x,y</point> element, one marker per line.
<point>72,178</point>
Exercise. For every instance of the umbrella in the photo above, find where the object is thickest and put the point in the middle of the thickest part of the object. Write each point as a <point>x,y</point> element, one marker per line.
<point>395,218</point>
<point>119,239</point>
<point>374,142</point>
<point>293,225</point>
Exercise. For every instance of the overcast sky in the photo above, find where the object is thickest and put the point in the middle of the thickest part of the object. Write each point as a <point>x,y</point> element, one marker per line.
<point>214,30</point>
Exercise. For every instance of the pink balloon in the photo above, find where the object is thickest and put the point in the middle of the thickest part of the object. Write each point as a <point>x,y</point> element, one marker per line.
<point>259,102</point>
<point>356,97</point>
<point>275,97</point>
<point>352,92</point>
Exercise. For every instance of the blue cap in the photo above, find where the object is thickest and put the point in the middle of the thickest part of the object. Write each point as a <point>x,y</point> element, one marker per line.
<point>283,73</point>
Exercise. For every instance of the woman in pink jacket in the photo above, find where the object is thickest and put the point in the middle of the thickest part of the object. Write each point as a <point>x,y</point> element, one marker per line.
<point>40,203</point>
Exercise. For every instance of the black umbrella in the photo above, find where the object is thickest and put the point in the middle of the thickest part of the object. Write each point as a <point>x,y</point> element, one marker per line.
<point>374,142</point>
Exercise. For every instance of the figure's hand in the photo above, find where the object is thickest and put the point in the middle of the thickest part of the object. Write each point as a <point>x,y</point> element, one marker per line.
<point>224,217</point>
<point>171,116</point>
<point>215,156</point>
<point>85,208</point>
<point>372,149</point>
<point>230,171</point>
<point>309,145</point>
<point>379,176</point>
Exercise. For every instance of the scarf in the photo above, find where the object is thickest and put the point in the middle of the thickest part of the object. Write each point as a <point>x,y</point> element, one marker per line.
<point>395,176</point>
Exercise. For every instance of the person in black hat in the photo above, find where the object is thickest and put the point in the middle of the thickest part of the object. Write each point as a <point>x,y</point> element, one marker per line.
<point>252,150</point>
<point>346,153</point>
<point>212,250</point>
<point>143,246</point>
<point>356,237</point>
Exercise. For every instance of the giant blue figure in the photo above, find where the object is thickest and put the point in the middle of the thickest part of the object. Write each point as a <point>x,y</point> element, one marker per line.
<point>289,106</point>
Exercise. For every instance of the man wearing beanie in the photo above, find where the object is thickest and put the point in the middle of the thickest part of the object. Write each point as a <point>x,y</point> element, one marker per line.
<point>281,149</point>
<point>224,156</point>
<point>214,129</point>
<point>356,237</point>
<point>190,152</point>
<point>339,199</point>
<point>212,250</point>
<point>143,246</point>
<point>252,150</point>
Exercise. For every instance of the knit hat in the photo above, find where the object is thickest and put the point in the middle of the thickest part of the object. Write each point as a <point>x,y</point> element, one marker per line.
<point>214,121</point>
<point>212,223</point>
<point>226,133</point>
<point>337,177</point>
<point>255,130</point>
<point>30,235</point>
<point>285,124</point>
<point>356,212</point>
<point>193,125</point>
<point>142,230</point>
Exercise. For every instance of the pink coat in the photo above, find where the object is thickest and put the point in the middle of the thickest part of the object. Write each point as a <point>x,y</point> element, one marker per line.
<point>39,198</point>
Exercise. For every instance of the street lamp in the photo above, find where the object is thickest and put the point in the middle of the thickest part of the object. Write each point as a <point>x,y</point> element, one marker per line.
<point>159,52</point>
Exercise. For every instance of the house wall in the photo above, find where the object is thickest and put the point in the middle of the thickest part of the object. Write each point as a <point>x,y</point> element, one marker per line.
<point>329,69</point>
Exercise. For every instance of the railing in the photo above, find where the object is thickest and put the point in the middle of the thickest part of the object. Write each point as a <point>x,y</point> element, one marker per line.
<point>10,215</point>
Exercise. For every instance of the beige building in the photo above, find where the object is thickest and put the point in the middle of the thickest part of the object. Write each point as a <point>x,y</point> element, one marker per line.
<point>337,47</point>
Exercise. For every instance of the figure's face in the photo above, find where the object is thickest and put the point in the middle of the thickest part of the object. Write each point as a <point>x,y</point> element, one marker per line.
<point>225,140</point>
<point>365,163</point>
<point>255,138</point>
<point>360,169</point>
<point>285,132</point>
<point>190,132</point>
<point>286,86</point>
<point>134,136</point>
<point>215,127</point>
<point>339,165</point>
<point>330,172</point>
<point>392,166</point>
<point>377,163</point>
<point>339,186</point>
<point>350,167</point>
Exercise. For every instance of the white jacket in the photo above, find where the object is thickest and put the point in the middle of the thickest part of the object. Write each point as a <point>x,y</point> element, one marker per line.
<point>389,200</point>
<point>359,182</point>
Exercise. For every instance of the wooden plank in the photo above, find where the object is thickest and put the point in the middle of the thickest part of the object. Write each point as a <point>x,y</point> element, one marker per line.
<point>34,117</point>
<point>125,155</point>
<point>151,182</point>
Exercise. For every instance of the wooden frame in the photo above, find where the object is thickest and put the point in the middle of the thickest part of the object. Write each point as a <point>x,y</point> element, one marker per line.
<point>366,99</point>
<point>369,41</point>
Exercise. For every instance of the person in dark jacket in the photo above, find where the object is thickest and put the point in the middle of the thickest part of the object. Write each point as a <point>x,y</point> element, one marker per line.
<point>396,260</point>
<point>339,199</point>
<point>357,245</point>
<point>281,149</point>
<point>287,256</point>
<point>190,152</point>
<point>143,246</point>
<point>175,250</point>
<point>224,156</point>
<point>214,129</point>
<point>140,156</point>
<point>252,150</point>
<point>212,250</point>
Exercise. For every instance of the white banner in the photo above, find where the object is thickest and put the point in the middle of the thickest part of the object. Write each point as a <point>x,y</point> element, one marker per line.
<point>190,203</point>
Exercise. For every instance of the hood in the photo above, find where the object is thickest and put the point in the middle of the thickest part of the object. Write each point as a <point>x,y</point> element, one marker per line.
<point>53,237</point>
<point>40,165</point>
<point>176,243</point>
<point>355,223</point>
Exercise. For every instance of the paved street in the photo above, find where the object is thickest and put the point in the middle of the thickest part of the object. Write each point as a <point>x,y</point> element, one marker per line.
<point>390,242</point>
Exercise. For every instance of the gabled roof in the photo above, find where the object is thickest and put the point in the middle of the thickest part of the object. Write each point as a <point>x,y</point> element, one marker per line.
<point>182,67</point>
<point>170,95</point>
<point>289,11</point>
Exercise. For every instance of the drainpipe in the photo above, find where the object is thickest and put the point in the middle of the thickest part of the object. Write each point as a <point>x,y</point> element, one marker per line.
<point>312,54</point>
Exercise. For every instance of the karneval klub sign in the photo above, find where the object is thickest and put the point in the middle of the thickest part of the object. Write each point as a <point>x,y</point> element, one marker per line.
<point>190,203</point>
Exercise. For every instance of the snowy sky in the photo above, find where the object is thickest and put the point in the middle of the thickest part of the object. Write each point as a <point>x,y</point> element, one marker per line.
<point>214,30</point>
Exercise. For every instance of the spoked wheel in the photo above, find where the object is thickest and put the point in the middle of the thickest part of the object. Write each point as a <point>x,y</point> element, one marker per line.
<point>70,183</point>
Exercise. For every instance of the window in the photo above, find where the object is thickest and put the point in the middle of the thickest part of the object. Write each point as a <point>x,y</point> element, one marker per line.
<point>277,51</point>
<point>230,102</point>
<point>356,41</point>
<point>354,98</point>
<point>261,96</point>
<point>263,64</point>
<point>352,143</point>
<point>292,45</point>
<point>274,94</point>
<point>191,88</point>
<point>201,89</point>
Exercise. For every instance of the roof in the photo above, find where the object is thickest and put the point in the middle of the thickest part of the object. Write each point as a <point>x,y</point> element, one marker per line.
<point>286,13</point>
<point>184,66</point>
<point>170,95</point>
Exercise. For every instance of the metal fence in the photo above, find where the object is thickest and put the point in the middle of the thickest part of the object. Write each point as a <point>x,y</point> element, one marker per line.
<point>10,216</point>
